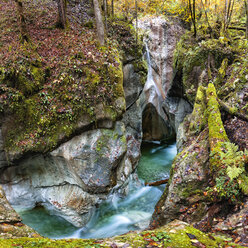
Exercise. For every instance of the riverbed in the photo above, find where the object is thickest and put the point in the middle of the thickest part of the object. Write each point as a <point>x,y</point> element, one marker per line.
<point>117,215</point>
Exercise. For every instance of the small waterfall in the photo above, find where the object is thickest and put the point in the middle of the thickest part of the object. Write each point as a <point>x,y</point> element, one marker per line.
<point>150,83</point>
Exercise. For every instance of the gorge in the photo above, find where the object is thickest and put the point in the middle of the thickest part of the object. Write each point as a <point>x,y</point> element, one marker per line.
<point>72,132</point>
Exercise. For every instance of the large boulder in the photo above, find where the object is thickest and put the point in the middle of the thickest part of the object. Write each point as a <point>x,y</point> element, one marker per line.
<point>72,179</point>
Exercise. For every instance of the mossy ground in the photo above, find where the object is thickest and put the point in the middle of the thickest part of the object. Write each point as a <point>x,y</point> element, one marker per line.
<point>177,235</point>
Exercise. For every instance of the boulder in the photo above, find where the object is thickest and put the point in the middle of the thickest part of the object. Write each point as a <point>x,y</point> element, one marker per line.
<point>72,179</point>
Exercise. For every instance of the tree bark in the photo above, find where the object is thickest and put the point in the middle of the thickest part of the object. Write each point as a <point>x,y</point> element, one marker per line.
<point>229,4</point>
<point>192,13</point>
<point>209,26</point>
<point>246,11</point>
<point>105,4</point>
<point>157,183</point>
<point>99,22</point>
<point>62,21</point>
<point>112,8</point>
<point>136,18</point>
<point>22,21</point>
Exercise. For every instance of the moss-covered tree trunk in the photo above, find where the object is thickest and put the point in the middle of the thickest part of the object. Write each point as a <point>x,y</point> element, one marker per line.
<point>227,164</point>
<point>99,22</point>
<point>22,21</point>
<point>62,21</point>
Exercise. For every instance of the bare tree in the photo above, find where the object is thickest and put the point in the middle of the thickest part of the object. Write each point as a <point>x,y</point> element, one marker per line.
<point>192,13</point>
<point>206,15</point>
<point>246,11</point>
<point>112,8</point>
<point>136,18</point>
<point>22,21</point>
<point>105,4</point>
<point>62,20</point>
<point>99,22</point>
<point>228,13</point>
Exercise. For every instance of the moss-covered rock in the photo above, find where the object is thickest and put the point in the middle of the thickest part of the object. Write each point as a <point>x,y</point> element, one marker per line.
<point>227,163</point>
<point>192,58</point>
<point>42,112</point>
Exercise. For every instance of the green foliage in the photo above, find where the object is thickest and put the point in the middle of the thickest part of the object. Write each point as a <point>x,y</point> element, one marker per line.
<point>227,162</point>
<point>234,160</point>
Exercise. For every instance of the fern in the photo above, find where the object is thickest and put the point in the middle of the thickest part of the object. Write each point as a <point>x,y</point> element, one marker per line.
<point>243,183</point>
<point>234,172</point>
<point>233,159</point>
<point>231,154</point>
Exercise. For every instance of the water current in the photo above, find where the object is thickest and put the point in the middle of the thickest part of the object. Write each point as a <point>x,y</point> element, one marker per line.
<point>117,215</point>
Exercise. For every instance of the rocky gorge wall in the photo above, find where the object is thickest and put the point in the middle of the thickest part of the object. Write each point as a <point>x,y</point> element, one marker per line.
<point>203,189</point>
<point>71,180</point>
<point>162,111</point>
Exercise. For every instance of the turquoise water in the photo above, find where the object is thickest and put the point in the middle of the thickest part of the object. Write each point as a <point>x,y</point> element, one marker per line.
<point>117,215</point>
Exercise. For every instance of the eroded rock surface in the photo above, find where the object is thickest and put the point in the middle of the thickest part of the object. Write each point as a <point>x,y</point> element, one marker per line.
<point>70,180</point>
<point>162,114</point>
<point>10,221</point>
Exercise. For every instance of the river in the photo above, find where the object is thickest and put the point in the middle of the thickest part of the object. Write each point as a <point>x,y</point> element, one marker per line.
<point>117,215</point>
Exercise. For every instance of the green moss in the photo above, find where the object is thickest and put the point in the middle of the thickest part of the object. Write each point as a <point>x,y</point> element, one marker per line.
<point>236,81</point>
<point>140,66</point>
<point>227,163</point>
<point>25,76</point>
<point>35,242</point>
<point>45,117</point>
<point>190,56</point>
<point>222,72</point>
<point>176,234</point>
<point>198,116</point>
<point>217,131</point>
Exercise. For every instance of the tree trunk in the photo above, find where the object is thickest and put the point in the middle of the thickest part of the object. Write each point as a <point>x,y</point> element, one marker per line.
<point>209,26</point>
<point>229,4</point>
<point>192,13</point>
<point>246,11</point>
<point>136,18</point>
<point>194,18</point>
<point>62,13</point>
<point>157,183</point>
<point>22,21</point>
<point>99,22</point>
<point>112,8</point>
<point>105,4</point>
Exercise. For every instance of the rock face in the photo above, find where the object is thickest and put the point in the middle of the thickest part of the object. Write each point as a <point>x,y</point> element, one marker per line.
<point>161,113</point>
<point>3,161</point>
<point>10,221</point>
<point>185,186</point>
<point>203,189</point>
<point>71,179</point>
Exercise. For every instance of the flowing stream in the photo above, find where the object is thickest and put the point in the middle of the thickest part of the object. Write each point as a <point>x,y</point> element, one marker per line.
<point>116,215</point>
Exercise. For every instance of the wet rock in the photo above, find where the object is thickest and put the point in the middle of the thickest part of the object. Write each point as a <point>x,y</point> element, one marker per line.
<point>160,122</point>
<point>72,179</point>
<point>132,84</point>
<point>183,195</point>
<point>10,221</point>
<point>7,213</point>
<point>3,160</point>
